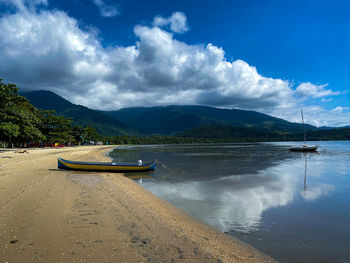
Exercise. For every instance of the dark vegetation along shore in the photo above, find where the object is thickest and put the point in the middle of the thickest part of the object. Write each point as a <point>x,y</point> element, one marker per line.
<point>42,118</point>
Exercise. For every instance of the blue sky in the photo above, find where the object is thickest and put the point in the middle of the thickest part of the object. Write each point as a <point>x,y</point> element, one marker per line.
<point>270,56</point>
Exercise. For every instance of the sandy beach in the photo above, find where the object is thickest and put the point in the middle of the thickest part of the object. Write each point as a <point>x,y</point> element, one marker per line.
<point>52,215</point>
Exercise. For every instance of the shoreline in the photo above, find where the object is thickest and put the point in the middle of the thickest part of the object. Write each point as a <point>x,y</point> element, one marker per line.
<point>47,214</point>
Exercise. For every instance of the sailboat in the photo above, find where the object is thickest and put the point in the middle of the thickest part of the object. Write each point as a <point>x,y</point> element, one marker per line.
<point>304,147</point>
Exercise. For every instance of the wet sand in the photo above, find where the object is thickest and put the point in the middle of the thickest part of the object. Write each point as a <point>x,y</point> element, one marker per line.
<point>52,215</point>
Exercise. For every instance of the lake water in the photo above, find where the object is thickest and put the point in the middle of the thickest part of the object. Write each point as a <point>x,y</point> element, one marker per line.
<point>292,206</point>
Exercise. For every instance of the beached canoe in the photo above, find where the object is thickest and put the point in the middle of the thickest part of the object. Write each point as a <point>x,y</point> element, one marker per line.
<point>104,166</point>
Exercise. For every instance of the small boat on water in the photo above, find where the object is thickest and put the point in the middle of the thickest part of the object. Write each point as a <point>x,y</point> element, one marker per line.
<point>105,166</point>
<point>304,147</point>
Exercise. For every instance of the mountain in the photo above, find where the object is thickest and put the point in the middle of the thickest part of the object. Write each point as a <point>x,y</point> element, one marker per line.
<point>165,120</point>
<point>217,133</point>
<point>177,119</point>
<point>230,133</point>
<point>83,116</point>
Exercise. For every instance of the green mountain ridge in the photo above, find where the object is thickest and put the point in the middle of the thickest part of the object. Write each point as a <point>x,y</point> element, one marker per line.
<point>81,115</point>
<point>170,120</point>
<point>164,120</point>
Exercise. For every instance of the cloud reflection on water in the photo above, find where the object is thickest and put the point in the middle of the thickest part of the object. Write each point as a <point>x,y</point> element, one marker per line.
<point>317,191</point>
<point>237,202</point>
<point>231,186</point>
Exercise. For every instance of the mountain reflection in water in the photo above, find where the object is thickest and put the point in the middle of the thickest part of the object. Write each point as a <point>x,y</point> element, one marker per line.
<point>259,192</point>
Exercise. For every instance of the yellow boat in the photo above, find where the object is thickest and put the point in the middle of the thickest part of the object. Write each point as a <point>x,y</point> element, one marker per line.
<point>105,167</point>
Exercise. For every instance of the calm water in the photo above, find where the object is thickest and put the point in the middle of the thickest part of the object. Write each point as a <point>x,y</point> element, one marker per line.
<point>292,206</point>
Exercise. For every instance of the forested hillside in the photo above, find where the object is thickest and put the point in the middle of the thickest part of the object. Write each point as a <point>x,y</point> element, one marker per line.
<point>174,119</point>
<point>82,116</point>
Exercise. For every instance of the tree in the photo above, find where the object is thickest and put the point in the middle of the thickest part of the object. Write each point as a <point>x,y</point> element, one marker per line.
<point>91,134</point>
<point>79,134</point>
<point>55,128</point>
<point>19,119</point>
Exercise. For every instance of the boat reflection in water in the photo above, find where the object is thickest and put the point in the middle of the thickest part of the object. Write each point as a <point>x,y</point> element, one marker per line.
<point>318,190</point>
<point>139,177</point>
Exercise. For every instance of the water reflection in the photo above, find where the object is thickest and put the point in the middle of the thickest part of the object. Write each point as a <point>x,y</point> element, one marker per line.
<point>232,202</point>
<point>205,162</point>
<point>140,176</point>
<point>292,206</point>
<point>227,186</point>
<point>318,190</point>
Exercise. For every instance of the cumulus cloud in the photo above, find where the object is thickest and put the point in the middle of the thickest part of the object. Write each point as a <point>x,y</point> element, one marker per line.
<point>315,91</point>
<point>107,9</point>
<point>317,115</point>
<point>35,56</point>
<point>177,22</point>
<point>157,70</point>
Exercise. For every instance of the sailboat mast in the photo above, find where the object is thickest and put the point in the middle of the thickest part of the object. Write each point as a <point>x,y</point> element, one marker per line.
<point>302,118</point>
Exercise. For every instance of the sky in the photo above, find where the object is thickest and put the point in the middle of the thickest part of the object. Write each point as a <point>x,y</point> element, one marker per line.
<point>269,56</point>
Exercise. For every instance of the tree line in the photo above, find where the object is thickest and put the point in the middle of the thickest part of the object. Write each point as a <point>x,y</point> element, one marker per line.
<point>21,123</point>
<point>220,133</point>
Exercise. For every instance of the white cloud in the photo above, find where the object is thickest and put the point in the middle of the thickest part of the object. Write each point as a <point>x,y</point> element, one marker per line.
<point>156,70</point>
<point>177,22</point>
<point>36,56</point>
<point>107,9</point>
<point>315,91</point>
<point>340,109</point>
<point>317,115</point>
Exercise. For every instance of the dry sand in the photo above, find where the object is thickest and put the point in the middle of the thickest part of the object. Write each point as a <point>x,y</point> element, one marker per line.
<point>51,215</point>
